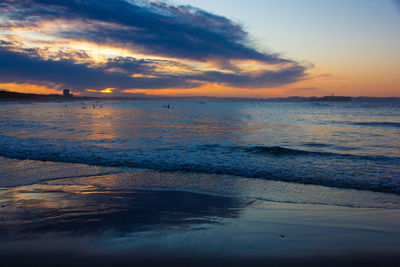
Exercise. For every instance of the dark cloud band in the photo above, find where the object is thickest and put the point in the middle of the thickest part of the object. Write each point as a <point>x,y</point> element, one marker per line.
<point>153,28</point>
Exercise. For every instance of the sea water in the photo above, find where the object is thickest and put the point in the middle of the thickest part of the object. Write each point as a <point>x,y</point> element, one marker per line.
<point>351,145</point>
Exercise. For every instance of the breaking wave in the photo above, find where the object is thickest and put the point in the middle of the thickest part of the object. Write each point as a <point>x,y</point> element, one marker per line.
<point>377,173</point>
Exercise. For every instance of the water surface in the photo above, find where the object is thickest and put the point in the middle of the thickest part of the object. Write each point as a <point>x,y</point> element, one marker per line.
<point>353,145</point>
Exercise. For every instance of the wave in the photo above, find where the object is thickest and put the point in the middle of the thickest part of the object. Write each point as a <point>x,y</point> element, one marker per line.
<point>278,150</point>
<point>317,145</point>
<point>282,151</point>
<point>379,124</point>
<point>375,173</point>
<point>384,124</point>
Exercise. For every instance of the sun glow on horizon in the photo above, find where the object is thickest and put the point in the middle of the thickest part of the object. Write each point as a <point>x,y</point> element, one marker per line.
<point>126,56</point>
<point>107,91</point>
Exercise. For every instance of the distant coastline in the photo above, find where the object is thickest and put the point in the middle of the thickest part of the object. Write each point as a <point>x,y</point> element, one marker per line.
<point>15,96</point>
<point>333,98</point>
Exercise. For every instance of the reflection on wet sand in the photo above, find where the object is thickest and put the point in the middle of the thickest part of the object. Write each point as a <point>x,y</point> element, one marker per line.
<point>46,210</point>
<point>84,225</point>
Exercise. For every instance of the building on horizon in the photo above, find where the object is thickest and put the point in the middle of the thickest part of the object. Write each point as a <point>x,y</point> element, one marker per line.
<point>67,93</point>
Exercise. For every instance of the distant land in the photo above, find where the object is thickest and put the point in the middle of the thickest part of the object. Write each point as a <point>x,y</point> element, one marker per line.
<point>14,96</point>
<point>333,98</point>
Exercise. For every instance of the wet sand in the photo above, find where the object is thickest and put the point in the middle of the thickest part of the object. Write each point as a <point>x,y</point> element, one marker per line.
<point>64,224</point>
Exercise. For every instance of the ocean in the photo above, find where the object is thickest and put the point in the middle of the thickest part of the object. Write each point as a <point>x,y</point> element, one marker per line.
<point>330,145</point>
<point>199,183</point>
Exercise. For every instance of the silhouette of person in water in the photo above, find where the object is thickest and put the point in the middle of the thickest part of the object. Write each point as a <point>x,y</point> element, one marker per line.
<point>167,106</point>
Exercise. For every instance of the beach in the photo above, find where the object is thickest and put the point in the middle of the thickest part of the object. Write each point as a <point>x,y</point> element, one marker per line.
<point>199,133</point>
<point>222,183</point>
<point>69,225</point>
<point>90,219</point>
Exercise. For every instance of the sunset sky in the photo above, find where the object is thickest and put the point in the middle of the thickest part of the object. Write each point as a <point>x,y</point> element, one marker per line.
<point>253,48</point>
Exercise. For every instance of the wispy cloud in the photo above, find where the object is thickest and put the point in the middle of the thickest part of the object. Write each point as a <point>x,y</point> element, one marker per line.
<point>131,44</point>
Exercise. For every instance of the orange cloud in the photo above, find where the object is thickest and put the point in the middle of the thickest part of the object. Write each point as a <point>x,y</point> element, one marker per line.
<point>30,88</point>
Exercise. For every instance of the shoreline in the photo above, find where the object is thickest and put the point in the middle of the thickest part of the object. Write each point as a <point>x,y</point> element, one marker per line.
<point>15,96</point>
<point>78,214</point>
<point>49,219</point>
<point>39,173</point>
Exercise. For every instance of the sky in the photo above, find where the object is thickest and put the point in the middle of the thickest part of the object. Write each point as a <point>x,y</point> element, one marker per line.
<point>235,48</point>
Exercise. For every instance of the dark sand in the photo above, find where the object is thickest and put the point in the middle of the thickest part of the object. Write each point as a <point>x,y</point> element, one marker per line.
<point>64,225</point>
